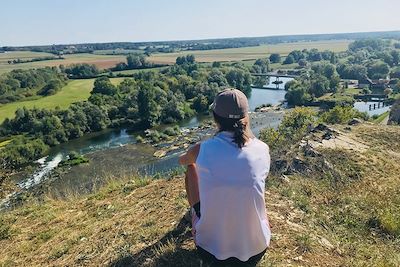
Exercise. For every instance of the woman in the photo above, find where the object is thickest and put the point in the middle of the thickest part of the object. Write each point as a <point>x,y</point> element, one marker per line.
<point>225,183</point>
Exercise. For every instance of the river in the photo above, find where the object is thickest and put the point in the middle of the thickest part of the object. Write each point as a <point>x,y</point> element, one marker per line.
<point>364,107</point>
<point>115,153</point>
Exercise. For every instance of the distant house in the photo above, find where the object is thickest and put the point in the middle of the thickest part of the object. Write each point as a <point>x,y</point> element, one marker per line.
<point>364,83</point>
<point>380,84</point>
<point>393,82</point>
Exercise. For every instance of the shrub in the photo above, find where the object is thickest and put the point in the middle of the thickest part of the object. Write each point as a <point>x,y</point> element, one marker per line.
<point>341,115</point>
<point>293,127</point>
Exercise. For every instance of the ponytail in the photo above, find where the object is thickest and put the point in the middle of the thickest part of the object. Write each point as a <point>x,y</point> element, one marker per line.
<point>239,127</point>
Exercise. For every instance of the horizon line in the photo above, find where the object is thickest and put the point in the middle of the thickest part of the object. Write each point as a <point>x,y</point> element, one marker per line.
<point>207,39</point>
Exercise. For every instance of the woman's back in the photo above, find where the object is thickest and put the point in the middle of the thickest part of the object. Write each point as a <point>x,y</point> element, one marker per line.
<point>233,219</point>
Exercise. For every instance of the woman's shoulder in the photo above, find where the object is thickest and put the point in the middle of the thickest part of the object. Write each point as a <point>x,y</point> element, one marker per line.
<point>257,142</point>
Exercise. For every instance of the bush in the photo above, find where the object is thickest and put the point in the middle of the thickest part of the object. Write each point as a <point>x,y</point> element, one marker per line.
<point>139,139</point>
<point>171,131</point>
<point>341,115</point>
<point>293,127</point>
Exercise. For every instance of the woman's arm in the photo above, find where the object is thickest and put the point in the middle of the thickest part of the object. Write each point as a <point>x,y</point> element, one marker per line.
<point>190,156</point>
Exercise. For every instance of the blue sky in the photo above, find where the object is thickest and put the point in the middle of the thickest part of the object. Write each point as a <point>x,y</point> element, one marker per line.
<point>32,22</point>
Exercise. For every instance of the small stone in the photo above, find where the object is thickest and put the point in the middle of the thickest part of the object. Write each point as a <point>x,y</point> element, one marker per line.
<point>354,121</point>
<point>299,258</point>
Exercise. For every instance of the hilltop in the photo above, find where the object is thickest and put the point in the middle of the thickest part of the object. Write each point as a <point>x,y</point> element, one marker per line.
<point>332,201</point>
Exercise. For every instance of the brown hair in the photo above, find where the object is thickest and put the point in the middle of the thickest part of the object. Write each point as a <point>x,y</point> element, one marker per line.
<point>239,127</point>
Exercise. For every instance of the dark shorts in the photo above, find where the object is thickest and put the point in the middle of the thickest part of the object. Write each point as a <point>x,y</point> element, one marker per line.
<point>208,258</point>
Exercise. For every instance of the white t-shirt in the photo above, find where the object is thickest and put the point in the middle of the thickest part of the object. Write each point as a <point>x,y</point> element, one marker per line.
<point>233,219</point>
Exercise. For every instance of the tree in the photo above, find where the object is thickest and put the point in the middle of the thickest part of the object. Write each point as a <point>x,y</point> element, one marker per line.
<point>104,86</point>
<point>395,57</point>
<point>378,70</point>
<point>51,88</point>
<point>289,60</point>
<point>147,106</point>
<point>188,59</point>
<point>395,73</point>
<point>200,104</point>
<point>216,76</point>
<point>298,96</point>
<point>216,64</point>
<point>302,63</point>
<point>136,61</point>
<point>239,79</point>
<point>275,58</point>
<point>82,70</point>
<point>319,85</point>
<point>353,71</point>
<point>261,65</point>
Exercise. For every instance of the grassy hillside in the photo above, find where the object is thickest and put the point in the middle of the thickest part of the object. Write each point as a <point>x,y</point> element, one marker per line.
<point>336,205</point>
<point>74,91</point>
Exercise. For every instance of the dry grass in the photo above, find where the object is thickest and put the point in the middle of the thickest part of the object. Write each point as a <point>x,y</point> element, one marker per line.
<point>316,220</point>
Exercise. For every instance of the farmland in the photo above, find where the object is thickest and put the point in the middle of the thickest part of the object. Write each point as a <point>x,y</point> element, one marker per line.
<point>74,91</point>
<point>106,61</point>
<point>101,61</point>
<point>247,53</point>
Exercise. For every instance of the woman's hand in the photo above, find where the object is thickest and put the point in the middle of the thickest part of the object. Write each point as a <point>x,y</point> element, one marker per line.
<point>190,156</point>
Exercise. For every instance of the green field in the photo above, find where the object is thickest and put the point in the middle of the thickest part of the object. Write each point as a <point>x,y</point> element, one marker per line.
<point>74,91</point>
<point>247,53</point>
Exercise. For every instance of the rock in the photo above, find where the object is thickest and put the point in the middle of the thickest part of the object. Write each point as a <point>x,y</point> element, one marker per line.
<point>328,135</point>
<point>299,258</point>
<point>320,127</point>
<point>325,243</point>
<point>354,121</point>
<point>280,164</point>
<point>160,153</point>
<point>285,178</point>
<point>299,165</point>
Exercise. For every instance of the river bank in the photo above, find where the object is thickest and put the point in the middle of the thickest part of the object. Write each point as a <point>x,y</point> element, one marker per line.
<point>119,156</point>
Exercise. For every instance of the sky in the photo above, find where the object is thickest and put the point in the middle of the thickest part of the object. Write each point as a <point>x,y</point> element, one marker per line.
<point>36,22</point>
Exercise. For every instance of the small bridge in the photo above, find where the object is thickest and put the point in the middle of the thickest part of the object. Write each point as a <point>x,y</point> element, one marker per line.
<point>372,97</point>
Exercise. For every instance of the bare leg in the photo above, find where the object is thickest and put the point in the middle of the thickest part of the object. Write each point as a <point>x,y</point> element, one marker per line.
<point>192,185</point>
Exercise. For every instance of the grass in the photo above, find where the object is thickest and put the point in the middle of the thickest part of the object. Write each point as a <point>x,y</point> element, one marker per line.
<point>316,220</point>
<point>74,91</point>
<point>381,117</point>
<point>247,53</point>
<point>4,143</point>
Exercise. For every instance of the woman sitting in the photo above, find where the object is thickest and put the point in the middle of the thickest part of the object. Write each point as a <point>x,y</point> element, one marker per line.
<point>225,183</point>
